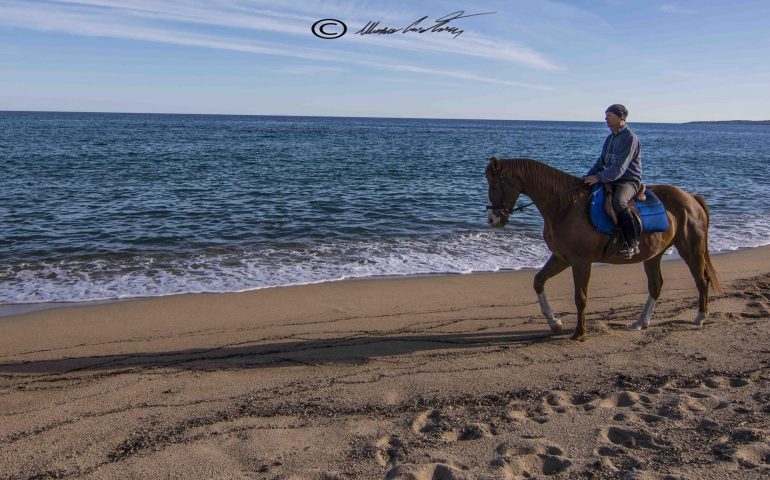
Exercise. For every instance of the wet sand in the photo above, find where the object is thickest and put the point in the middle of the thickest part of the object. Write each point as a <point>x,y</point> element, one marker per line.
<point>418,378</point>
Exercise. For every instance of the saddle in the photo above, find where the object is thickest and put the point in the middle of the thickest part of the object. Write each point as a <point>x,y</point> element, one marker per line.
<point>609,191</point>
<point>648,211</point>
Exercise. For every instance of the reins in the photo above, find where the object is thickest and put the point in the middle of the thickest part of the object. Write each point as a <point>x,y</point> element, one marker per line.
<point>506,213</point>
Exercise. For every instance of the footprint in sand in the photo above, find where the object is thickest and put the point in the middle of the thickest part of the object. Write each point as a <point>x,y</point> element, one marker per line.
<point>521,415</point>
<point>436,424</point>
<point>557,401</point>
<point>739,382</point>
<point>715,382</point>
<point>719,382</point>
<point>389,450</point>
<point>431,471</point>
<point>644,475</point>
<point>587,402</point>
<point>633,418</point>
<point>684,405</point>
<point>673,409</point>
<point>516,415</point>
<point>624,399</point>
<point>507,450</point>
<point>753,456</point>
<point>628,437</point>
<point>318,475</point>
<point>530,460</point>
<point>700,402</point>
<point>747,435</point>
<point>553,401</point>
<point>471,431</point>
<point>474,431</point>
<point>757,309</point>
<point>650,418</point>
<point>610,451</point>
<point>431,422</point>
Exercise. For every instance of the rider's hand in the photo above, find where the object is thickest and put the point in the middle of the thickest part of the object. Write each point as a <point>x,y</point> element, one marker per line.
<point>590,180</point>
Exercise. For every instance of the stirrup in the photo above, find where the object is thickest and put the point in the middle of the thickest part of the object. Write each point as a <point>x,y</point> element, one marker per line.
<point>629,251</point>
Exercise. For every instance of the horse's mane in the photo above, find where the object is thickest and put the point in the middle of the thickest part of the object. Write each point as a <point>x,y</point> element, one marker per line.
<point>544,176</point>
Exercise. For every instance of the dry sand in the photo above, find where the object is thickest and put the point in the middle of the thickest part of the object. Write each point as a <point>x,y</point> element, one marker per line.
<point>422,378</point>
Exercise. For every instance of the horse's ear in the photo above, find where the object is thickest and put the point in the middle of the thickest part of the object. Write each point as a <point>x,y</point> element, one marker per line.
<point>494,162</point>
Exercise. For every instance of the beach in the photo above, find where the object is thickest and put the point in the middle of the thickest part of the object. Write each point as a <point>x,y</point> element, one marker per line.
<point>445,376</point>
<point>231,248</point>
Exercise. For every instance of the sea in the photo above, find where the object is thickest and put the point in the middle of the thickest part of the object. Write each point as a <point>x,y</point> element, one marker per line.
<point>102,206</point>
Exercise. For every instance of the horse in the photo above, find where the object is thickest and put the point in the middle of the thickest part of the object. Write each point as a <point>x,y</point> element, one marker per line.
<point>562,200</point>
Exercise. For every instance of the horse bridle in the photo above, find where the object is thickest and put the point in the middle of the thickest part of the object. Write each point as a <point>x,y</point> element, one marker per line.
<point>503,210</point>
<point>506,212</point>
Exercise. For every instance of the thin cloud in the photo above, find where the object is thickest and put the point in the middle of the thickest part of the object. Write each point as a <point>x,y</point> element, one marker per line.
<point>676,9</point>
<point>307,69</point>
<point>559,10</point>
<point>106,25</point>
<point>239,15</point>
<point>468,76</point>
<point>470,45</point>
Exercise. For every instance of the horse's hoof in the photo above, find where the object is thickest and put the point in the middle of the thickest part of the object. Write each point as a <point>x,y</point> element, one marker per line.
<point>578,337</point>
<point>700,318</point>
<point>556,327</point>
<point>637,326</point>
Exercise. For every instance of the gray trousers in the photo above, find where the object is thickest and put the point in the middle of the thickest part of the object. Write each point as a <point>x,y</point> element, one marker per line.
<point>622,194</point>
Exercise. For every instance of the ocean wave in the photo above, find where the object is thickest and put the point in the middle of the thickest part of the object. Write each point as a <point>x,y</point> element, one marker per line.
<point>102,277</point>
<point>118,276</point>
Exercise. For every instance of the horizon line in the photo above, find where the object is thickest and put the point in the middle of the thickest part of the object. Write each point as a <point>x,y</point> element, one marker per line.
<point>347,116</point>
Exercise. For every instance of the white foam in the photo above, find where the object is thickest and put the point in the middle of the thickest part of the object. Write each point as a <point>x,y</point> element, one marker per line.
<point>97,279</point>
<point>738,231</point>
<point>107,277</point>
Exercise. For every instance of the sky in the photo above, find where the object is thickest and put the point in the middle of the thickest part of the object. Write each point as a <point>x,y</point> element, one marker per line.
<point>667,61</point>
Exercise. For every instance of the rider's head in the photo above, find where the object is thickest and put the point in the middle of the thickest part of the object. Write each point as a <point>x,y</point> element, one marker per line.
<point>615,116</point>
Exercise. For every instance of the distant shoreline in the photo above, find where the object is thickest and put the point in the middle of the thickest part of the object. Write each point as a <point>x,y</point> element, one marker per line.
<point>737,122</point>
<point>64,112</point>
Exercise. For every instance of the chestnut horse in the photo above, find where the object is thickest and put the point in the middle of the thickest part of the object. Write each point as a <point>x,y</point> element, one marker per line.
<point>562,200</point>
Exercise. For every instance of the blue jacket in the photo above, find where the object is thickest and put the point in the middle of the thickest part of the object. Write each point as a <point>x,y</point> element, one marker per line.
<point>621,159</point>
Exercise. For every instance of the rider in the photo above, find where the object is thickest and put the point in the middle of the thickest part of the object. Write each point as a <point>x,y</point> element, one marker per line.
<point>620,165</point>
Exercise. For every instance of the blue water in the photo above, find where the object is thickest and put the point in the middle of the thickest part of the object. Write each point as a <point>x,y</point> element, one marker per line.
<point>97,206</point>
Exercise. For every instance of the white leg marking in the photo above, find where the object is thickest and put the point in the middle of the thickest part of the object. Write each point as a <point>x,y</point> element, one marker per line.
<point>645,317</point>
<point>545,307</point>
<point>699,319</point>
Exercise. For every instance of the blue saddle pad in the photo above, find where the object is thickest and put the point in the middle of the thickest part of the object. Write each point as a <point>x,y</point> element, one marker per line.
<point>651,211</point>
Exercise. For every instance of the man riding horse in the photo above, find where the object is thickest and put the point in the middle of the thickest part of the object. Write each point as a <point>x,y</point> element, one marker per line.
<point>576,243</point>
<point>620,165</point>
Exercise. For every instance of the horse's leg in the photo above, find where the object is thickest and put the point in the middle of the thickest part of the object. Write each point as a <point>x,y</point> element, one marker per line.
<point>581,273</point>
<point>552,267</point>
<point>692,253</point>
<point>698,272</point>
<point>654,284</point>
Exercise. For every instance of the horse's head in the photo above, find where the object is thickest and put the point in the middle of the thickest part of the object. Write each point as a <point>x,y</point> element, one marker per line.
<point>504,190</point>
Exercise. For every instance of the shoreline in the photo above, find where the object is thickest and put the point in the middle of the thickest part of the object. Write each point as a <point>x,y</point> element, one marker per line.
<point>452,376</point>
<point>15,309</point>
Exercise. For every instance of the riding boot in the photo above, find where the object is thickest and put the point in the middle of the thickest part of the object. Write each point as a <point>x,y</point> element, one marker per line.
<point>626,223</point>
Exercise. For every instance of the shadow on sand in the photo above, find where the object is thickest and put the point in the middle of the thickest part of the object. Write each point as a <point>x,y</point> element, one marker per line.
<point>345,350</point>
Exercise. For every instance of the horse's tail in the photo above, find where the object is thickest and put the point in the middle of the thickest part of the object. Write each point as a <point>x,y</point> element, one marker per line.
<point>711,273</point>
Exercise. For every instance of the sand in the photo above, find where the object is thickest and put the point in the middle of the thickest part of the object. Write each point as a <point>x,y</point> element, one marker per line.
<point>443,377</point>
